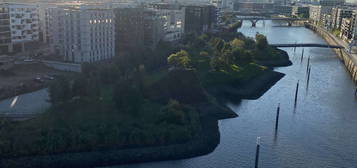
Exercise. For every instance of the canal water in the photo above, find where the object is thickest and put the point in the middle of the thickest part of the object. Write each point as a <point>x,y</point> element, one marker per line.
<point>320,132</point>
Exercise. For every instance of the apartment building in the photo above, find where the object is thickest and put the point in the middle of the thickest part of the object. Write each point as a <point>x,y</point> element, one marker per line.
<point>83,33</point>
<point>283,10</point>
<point>19,26</point>
<point>129,29</point>
<point>346,29</point>
<point>338,13</point>
<point>173,16</point>
<point>199,18</point>
<point>300,11</point>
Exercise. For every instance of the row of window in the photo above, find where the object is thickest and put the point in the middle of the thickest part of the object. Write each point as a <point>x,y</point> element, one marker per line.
<point>95,21</point>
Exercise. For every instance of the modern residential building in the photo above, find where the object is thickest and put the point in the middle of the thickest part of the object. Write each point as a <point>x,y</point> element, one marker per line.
<point>318,14</point>
<point>248,7</point>
<point>82,33</point>
<point>153,28</point>
<point>19,26</point>
<point>346,29</point>
<point>315,13</point>
<point>129,29</point>
<point>285,10</point>
<point>301,11</point>
<point>199,18</point>
<point>173,16</point>
<point>338,13</point>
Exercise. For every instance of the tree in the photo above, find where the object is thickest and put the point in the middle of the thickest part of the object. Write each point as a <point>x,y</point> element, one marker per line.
<point>127,97</point>
<point>180,59</point>
<point>261,40</point>
<point>237,43</point>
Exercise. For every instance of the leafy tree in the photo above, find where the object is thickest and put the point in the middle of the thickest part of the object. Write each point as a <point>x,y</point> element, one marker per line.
<point>60,90</point>
<point>261,40</point>
<point>237,43</point>
<point>180,59</point>
<point>127,97</point>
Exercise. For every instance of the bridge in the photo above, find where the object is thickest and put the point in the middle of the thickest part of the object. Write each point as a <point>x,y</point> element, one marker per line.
<point>255,19</point>
<point>307,45</point>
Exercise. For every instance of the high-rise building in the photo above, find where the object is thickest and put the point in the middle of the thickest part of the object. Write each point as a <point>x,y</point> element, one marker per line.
<point>200,18</point>
<point>82,34</point>
<point>19,25</point>
<point>173,16</point>
<point>129,29</point>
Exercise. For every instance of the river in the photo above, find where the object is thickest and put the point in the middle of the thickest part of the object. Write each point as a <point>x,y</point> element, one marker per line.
<point>320,132</point>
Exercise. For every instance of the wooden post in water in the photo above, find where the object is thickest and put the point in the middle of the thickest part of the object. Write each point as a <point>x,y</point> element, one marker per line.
<point>308,77</point>
<point>277,117</point>
<point>302,54</point>
<point>257,153</point>
<point>296,93</point>
<point>295,47</point>
<point>308,64</point>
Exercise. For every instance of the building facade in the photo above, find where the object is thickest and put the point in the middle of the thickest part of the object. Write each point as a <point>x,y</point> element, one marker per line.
<point>337,14</point>
<point>173,16</point>
<point>19,25</point>
<point>83,34</point>
<point>301,11</point>
<point>199,18</point>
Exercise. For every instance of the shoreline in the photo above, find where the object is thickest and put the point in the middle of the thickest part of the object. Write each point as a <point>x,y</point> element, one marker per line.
<point>345,57</point>
<point>204,143</point>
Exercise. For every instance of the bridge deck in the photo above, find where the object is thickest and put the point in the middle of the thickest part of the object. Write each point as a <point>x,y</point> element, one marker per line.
<point>307,45</point>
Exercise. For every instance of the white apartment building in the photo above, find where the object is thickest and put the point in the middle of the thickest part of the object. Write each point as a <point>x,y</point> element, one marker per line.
<point>82,34</point>
<point>19,24</point>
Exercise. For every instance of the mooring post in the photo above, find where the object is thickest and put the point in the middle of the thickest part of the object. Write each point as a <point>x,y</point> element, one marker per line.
<point>295,47</point>
<point>257,152</point>
<point>296,93</point>
<point>308,64</point>
<point>277,117</point>
<point>302,54</point>
<point>356,92</point>
<point>308,77</point>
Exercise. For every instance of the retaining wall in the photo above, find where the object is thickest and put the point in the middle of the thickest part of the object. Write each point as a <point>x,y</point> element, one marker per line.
<point>344,56</point>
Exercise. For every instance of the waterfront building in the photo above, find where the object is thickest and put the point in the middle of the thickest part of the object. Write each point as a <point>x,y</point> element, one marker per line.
<point>346,29</point>
<point>82,33</point>
<point>199,18</point>
<point>19,26</point>
<point>319,14</point>
<point>338,13</point>
<point>283,10</point>
<point>300,11</point>
<point>249,7</point>
<point>173,16</point>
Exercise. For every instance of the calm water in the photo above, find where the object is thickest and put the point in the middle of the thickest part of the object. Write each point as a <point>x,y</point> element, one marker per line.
<point>30,103</point>
<point>322,132</point>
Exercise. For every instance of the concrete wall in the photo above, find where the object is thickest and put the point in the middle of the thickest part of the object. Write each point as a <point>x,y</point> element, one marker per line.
<point>344,56</point>
<point>63,66</point>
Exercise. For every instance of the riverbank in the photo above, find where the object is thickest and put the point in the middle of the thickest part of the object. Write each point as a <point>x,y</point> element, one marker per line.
<point>205,142</point>
<point>343,55</point>
<point>163,114</point>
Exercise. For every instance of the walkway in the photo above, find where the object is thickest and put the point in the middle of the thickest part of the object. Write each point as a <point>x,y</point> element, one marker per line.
<point>307,45</point>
